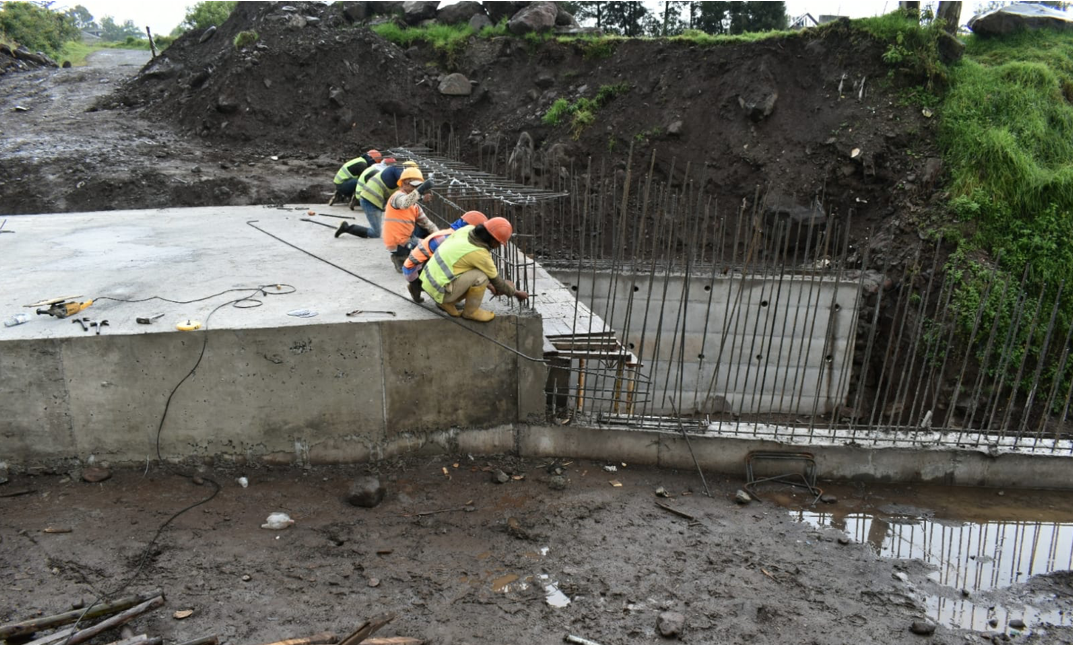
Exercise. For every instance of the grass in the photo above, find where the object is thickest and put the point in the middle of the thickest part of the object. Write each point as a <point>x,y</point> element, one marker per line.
<point>449,40</point>
<point>245,39</point>
<point>77,51</point>
<point>912,47</point>
<point>582,113</point>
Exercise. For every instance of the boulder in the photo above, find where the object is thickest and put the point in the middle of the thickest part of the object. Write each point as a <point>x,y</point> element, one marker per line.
<point>454,14</point>
<point>227,103</point>
<point>414,12</point>
<point>534,18</point>
<point>1017,17</point>
<point>671,624</point>
<point>383,8</point>
<point>500,10</point>
<point>455,85</point>
<point>950,48</point>
<point>480,21</point>
<point>355,11</point>
<point>675,128</point>
<point>564,18</point>
<point>365,492</point>
<point>95,474</point>
<point>336,96</point>
<point>207,34</point>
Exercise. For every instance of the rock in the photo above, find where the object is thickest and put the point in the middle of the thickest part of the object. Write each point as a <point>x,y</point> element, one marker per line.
<point>671,624</point>
<point>480,21</point>
<point>742,497</point>
<point>355,11</point>
<point>414,12</point>
<point>459,12</point>
<point>950,48</point>
<point>844,541</point>
<point>564,18</point>
<point>933,168</point>
<point>515,529</point>
<point>900,576</point>
<point>500,477</point>
<point>536,17</point>
<point>207,34</point>
<point>199,79</point>
<point>500,10</point>
<point>1019,16</point>
<point>455,85</point>
<point>296,22</point>
<point>95,474</point>
<point>336,95</point>
<point>66,64</point>
<point>557,482</point>
<point>1017,623</point>
<point>366,492</point>
<point>544,80</point>
<point>758,98</point>
<point>828,499</point>
<point>383,8</point>
<point>675,128</point>
<point>922,628</point>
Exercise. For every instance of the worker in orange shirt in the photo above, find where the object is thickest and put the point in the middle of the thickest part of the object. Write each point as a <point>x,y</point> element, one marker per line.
<point>420,254</point>
<point>462,268</point>
<point>405,222</point>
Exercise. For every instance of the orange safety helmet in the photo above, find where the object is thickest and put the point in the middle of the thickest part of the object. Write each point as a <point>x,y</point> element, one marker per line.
<point>411,174</point>
<point>374,155</point>
<point>388,160</point>
<point>474,218</point>
<point>500,229</point>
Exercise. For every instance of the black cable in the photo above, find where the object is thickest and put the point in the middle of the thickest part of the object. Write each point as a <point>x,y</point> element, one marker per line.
<point>245,302</point>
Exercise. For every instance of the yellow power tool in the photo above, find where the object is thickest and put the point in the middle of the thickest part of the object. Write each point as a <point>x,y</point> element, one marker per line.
<point>61,307</point>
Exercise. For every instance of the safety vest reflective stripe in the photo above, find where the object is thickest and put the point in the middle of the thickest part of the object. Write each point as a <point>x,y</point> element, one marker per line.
<point>345,174</point>
<point>363,178</point>
<point>401,221</point>
<point>376,191</point>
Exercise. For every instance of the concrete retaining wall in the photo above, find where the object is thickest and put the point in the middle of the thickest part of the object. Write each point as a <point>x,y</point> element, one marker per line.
<point>761,344</point>
<point>331,393</point>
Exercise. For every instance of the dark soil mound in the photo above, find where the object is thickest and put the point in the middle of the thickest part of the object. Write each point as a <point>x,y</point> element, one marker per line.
<point>812,118</point>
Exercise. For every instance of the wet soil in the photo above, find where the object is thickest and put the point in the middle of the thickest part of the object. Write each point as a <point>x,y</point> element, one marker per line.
<point>478,569</point>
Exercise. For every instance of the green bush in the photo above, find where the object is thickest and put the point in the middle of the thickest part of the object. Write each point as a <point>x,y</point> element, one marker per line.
<point>912,46</point>
<point>36,28</point>
<point>449,40</point>
<point>204,15</point>
<point>245,39</point>
<point>582,112</point>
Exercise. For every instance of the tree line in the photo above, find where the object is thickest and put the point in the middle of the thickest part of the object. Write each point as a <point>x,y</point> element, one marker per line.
<point>672,18</point>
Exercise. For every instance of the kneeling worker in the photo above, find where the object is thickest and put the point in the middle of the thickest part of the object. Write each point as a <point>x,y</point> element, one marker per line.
<point>462,268</point>
<point>346,180</point>
<point>405,221</point>
<point>420,254</point>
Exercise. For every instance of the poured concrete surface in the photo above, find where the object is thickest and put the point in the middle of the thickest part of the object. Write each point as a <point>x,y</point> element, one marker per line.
<point>330,388</point>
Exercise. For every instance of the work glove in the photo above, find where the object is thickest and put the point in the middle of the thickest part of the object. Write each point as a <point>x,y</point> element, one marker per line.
<point>426,187</point>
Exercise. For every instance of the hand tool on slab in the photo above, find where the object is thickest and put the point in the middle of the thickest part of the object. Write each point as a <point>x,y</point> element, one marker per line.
<point>81,321</point>
<point>100,325</point>
<point>148,320</point>
<point>2,227</point>
<point>360,312</point>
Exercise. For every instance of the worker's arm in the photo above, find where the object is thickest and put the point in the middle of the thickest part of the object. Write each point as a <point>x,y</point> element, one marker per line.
<point>402,201</point>
<point>424,222</point>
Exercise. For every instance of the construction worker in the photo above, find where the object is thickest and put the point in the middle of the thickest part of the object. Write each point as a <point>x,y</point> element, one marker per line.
<point>462,269</point>
<point>386,166</point>
<point>373,192</point>
<point>347,177</point>
<point>420,254</point>
<point>405,222</point>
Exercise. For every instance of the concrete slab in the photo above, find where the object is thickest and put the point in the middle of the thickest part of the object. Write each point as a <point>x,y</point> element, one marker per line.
<point>284,389</point>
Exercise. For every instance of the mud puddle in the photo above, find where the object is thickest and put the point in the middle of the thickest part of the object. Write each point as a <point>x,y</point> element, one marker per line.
<point>978,543</point>
<point>515,583</point>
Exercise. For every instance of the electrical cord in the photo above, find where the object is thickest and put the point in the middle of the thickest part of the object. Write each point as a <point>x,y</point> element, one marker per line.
<point>245,302</point>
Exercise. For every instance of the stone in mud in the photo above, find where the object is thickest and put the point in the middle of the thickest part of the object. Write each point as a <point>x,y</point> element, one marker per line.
<point>828,499</point>
<point>1017,623</point>
<point>366,492</point>
<point>922,628</point>
<point>95,474</point>
<point>455,85</point>
<point>671,624</point>
<point>742,497</point>
<point>557,482</point>
<point>500,477</point>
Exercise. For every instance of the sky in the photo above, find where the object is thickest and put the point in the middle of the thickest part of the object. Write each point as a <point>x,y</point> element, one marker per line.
<point>164,15</point>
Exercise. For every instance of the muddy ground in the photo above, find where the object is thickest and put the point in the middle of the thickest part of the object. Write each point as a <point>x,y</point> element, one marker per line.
<point>472,573</point>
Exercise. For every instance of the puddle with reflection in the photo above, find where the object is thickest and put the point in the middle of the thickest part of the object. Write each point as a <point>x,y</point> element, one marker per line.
<point>973,547</point>
<point>512,582</point>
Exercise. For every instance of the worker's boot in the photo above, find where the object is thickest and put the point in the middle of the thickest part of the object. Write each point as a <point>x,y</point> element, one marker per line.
<point>398,261</point>
<point>450,308</point>
<point>472,310</point>
<point>353,229</point>
<point>353,201</point>
<point>415,290</point>
<point>332,200</point>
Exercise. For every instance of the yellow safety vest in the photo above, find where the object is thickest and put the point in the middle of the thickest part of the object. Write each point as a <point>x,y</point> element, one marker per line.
<point>345,173</point>
<point>439,271</point>
<point>373,189</point>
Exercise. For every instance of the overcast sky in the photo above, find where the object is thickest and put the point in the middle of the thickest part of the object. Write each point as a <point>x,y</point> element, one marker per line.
<point>164,15</point>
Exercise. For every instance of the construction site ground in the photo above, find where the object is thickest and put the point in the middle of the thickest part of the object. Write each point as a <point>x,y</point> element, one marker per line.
<point>471,573</point>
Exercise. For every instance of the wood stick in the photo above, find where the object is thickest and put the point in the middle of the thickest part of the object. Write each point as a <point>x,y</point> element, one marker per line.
<point>16,493</point>
<point>140,639</point>
<point>325,638</point>
<point>367,629</point>
<point>53,637</point>
<point>204,640</point>
<point>114,621</point>
<point>676,512</point>
<point>46,622</point>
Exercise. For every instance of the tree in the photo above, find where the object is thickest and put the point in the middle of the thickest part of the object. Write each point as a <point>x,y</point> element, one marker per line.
<point>584,11</point>
<point>206,14</point>
<point>950,14</point>
<point>115,32</point>
<point>672,19</point>
<point>740,17</point>
<point>81,16</point>
<point>627,18</point>
<point>36,27</point>
<point>711,17</point>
